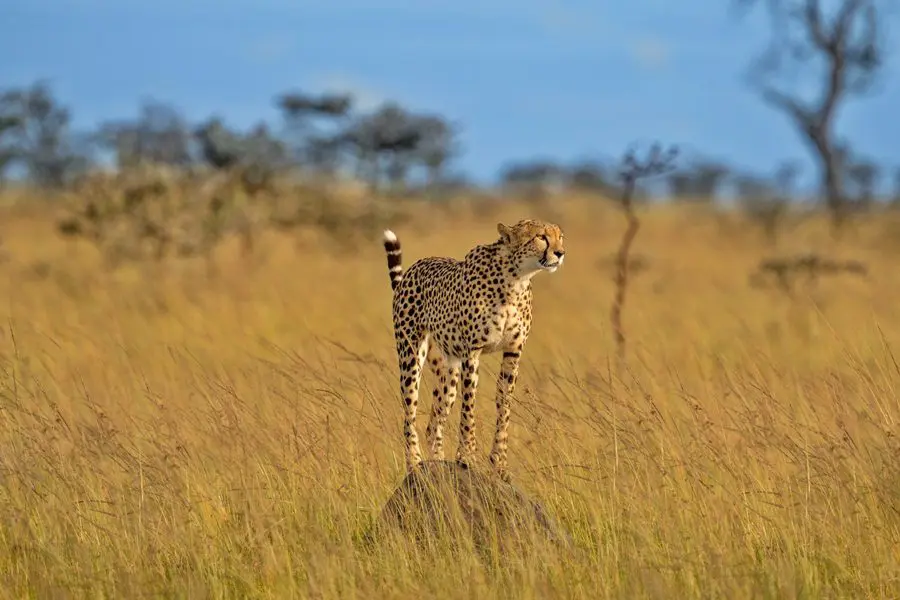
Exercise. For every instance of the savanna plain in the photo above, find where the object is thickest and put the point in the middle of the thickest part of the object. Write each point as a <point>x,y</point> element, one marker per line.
<point>172,431</point>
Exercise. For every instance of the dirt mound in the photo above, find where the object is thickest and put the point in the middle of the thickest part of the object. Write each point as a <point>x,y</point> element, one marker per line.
<point>443,499</point>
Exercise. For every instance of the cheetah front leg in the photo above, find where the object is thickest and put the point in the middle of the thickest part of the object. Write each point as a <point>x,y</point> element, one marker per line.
<point>411,355</point>
<point>469,374</point>
<point>445,387</point>
<point>506,383</point>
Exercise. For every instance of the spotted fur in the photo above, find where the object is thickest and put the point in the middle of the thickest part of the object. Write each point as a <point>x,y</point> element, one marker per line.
<point>448,313</point>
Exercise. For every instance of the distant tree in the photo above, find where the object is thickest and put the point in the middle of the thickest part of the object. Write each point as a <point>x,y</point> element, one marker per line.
<point>896,190</point>
<point>159,135</point>
<point>314,125</point>
<point>262,147</point>
<point>323,153</point>
<point>10,123</point>
<point>385,140</point>
<point>220,147</point>
<point>752,188</point>
<point>679,184</point>
<point>785,178</point>
<point>761,203</point>
<point>537,176</point>
<point>849,44</point>
<point>37,134</point>
<point>392,141</point>
<point>708,176</point>
<point>437,146</point>
<point>453,183</point>
<point>591,176</point>
<point>765,199</point>
<point>863,176</point>
<point>299,105</point>
<point>223,148</point>
<point>697,182</point>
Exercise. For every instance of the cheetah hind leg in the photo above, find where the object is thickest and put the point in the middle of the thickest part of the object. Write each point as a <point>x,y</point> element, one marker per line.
<point>446,383</point>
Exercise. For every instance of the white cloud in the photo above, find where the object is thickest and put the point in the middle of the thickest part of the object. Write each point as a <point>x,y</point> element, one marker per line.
<point>650,52</point>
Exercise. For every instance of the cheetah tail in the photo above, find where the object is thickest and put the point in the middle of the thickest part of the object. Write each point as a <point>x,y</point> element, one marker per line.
<point>394,257</point>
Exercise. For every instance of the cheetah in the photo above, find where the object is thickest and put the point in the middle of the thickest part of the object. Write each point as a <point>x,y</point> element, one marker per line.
<point>449,312</point>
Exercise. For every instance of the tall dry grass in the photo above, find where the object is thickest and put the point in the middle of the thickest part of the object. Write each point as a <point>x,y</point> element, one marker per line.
<point>168,433</point>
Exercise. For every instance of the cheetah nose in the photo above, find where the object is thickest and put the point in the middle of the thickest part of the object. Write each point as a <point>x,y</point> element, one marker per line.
<point>559,253</point>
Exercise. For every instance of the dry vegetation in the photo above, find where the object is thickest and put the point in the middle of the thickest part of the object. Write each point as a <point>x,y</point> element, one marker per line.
<point>172,431</point>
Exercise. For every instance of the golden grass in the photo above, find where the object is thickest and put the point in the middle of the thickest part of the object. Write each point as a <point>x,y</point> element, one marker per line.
<point>168,434</point>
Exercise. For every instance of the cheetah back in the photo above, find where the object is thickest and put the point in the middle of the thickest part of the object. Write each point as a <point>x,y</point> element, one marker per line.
<point>464,305</point>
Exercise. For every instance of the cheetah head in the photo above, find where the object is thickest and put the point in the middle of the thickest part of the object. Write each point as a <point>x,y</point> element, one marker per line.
<point>534,245</point>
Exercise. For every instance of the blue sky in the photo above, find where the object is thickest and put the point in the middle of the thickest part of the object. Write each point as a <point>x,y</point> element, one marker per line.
<point>530,78</point>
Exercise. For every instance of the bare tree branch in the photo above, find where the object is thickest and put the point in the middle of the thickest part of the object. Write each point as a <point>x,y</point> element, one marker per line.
<point>657,162</point>
<point>848,42</point>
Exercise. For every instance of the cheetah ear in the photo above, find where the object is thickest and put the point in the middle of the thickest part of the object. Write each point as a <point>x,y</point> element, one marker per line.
<point>505,233</point>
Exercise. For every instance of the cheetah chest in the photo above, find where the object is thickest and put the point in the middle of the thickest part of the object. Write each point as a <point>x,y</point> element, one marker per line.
<point>503,326</point>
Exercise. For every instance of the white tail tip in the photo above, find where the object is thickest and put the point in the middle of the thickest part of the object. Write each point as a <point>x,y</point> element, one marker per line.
<point>389,236</point>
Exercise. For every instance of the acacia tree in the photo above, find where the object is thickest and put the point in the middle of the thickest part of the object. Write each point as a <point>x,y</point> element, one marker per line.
<point>223,148</point>
<point>863,175</point>
<point>390,142</point>
<point>896,187</point>
<point>847,43</point>
<point>10,121</point>
<point>37,136</point>
<point>765,198</point>
<point>591,176</point>
<point>437,147</point>
<point>314,127</point>
<point>699,182</point>
<point>533,177</point>
<point>159,135</point>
